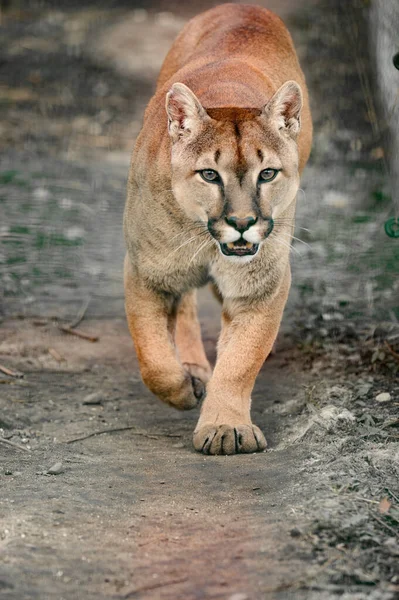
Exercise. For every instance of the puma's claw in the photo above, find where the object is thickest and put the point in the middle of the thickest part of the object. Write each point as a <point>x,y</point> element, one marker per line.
<point>227,439</point>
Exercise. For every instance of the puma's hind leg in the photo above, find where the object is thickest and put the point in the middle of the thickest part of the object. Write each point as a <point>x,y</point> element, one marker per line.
<point>189,342</point>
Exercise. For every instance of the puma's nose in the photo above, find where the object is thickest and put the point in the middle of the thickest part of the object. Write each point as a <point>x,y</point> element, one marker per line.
<point>241,224</point>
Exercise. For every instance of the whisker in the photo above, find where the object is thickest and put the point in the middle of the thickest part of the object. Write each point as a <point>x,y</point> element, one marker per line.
<point>289,221</point>
<point>303,192</point>
<point>302,242</point>
<point>203,245</point>
<point>191,239</point>
<point>285,244</point>
<point>184,243</point>
<point>292,237</point>
<point>188,230</point>
<point>299,240</point>
<point>198,235</point>
<point>283,222</point>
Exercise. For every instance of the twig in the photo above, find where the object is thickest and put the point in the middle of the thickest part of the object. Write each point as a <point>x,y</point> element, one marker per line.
<point>395,533</point>
<point>392,351</point>
<point>40,322</point>
<point>13,444</point>
<point>10,372</point>
<point>80,315</point>
<point>129,427</point>
<point>364,499</point>
<point>392,494</point>
<point>56,355</point>
<point>154,586</point>
<point>80,334</point>
<point>157,538</point>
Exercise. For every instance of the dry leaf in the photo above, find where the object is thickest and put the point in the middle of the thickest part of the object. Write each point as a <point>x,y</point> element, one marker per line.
<point>384,506</point>
<point>377,153</point>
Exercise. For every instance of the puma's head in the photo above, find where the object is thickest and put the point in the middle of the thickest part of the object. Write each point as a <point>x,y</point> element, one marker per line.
<point>235,169</point>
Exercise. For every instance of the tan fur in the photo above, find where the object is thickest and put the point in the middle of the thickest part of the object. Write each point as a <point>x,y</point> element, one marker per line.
<point>236,104</point>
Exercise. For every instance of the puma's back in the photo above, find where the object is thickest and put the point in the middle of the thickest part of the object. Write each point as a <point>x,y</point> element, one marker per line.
<point>236,56</point>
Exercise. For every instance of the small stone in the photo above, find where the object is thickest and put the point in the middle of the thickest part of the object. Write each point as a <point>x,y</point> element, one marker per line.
<point>178,445</point>
<point>363,389</point>
<point>384,397</point>
<point>336,199</point>
<point>295,532</point>
<point>41,194</point>
<point>74,233</point>
<point>7,472</point>
<point>238,597</point>
<point>56,469</point>
<point>93,399</point>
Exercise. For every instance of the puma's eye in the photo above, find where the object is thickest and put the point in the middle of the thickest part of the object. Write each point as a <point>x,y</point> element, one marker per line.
<point>210,175</point>
<point>267,175</point>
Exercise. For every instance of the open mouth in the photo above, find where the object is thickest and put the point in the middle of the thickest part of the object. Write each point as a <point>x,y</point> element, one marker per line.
<point>239,248</point>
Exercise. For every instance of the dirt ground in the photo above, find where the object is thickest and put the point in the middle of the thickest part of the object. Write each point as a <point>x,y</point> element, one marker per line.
<point>101,492</point>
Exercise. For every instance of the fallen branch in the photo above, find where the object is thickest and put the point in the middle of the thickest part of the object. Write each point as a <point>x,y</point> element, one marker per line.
<point>10,372</point>
<point>77,333</point>
<point>14,444</point>
<point>127,428</point>
<point>80,315</point>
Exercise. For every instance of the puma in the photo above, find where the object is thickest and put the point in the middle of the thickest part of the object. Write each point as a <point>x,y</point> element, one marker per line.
<point>211,198</point>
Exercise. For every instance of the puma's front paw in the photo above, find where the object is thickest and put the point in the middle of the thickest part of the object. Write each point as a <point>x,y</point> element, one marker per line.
<point>227,439</point>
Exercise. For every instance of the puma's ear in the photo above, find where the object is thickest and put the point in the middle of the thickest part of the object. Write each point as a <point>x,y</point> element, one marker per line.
<point>285,108</point>
<point>185,112</point>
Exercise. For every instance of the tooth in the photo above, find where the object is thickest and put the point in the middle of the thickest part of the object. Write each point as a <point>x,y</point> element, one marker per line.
<point>230,245</point>
<point>249,245</point>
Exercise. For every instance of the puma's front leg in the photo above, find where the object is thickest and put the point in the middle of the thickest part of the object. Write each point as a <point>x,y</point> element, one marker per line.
<point>151,319</point>
<point>248,334</point>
